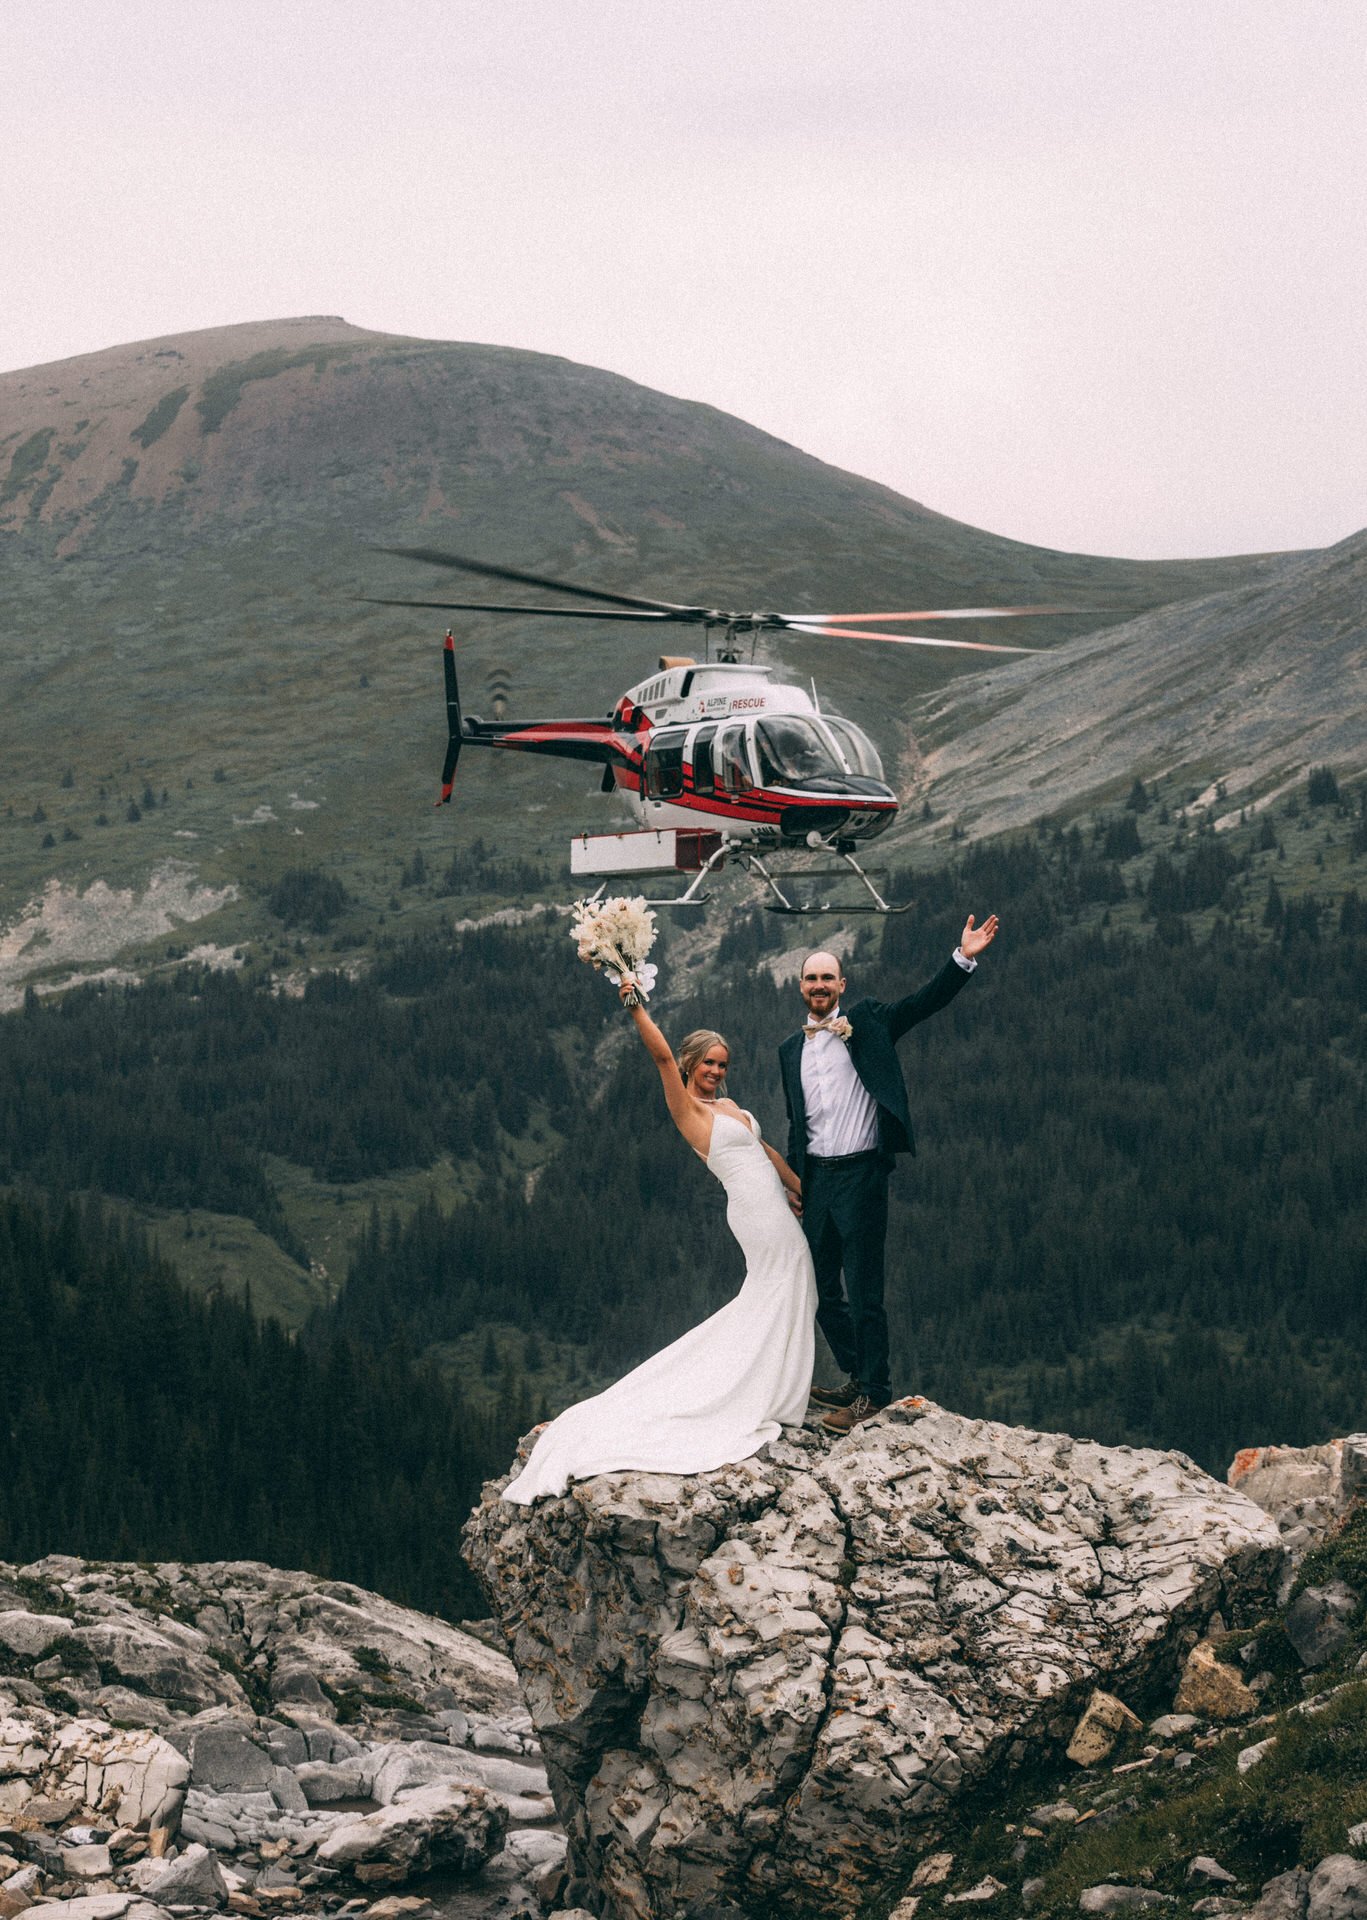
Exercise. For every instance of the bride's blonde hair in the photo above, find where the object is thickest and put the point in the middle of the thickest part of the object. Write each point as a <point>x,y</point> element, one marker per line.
<point>694,1046</point>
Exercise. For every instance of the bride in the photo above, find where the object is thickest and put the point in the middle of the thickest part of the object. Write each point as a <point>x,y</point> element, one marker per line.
<point>725,1388</point>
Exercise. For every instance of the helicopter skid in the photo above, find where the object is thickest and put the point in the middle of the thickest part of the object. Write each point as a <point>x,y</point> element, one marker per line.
<point>783,902</point>
<point>699,856</point>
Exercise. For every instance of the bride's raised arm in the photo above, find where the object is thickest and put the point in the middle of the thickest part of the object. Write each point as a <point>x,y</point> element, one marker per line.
<point>688,1116</point>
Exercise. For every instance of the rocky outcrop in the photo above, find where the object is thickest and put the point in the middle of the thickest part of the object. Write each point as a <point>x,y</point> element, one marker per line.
<point>1307,1490</point>
<point>130,1777</point>
<point>229,1734</point>
<point>230,1633</point>
<point>765,1688</point>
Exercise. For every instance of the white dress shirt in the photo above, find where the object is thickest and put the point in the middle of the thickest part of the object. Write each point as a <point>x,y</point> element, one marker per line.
<point>842,1115</point>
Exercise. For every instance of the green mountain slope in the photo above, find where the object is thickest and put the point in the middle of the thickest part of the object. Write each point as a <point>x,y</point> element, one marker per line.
<point>189,674</point>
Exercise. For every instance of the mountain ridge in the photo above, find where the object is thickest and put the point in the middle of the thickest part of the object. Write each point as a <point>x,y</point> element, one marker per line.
<point>189,526</point>
<point>1236,694</point>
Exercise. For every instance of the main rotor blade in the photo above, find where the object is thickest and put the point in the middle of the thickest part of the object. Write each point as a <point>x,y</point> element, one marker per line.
<point>901,639</point>
<point>488,606</point>
<point>434,557</point>
<point>939,613</point>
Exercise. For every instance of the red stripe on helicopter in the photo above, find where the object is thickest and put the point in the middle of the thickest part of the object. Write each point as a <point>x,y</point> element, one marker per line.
<point>759,806</point>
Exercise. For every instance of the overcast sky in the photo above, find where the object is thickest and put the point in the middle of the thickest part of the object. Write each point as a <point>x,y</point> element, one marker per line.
<point>1091,273</point>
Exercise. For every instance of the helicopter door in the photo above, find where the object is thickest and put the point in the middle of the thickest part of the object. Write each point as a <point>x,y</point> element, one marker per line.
<point>733,761</point>
<point>664,764</point>
<point>704,777</point>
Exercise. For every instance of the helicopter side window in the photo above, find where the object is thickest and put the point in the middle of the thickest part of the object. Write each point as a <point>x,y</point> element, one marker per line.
<point>704,778</point>
<point>664,764</point>
<point>792,751</point>
<point>733,760</point>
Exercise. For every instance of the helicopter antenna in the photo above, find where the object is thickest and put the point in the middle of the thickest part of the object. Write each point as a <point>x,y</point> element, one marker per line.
<point>816,697</point>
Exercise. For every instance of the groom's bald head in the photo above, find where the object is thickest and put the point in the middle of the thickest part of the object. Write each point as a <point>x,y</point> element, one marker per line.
<point>821,982</point>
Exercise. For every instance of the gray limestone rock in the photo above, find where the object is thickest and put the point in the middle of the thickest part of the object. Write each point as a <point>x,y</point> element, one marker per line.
<point>103,1906</point>
<point>1317,1621</point>
<point>297,1684</point>
<point>1307,1490</point>
<point>133,1776</point>
<point>492,1738</point>
<point>988,1888</point>
<point>228,1760</point>
<point>91,1862</point>
<point>391,1771</point>
<point>322,1782</point>
<point>198,1824</point>
<point>1205,1872</point>
<point>394,1770</point>
<point>766,1686</point>
<point>288,1747</point>
<point>536,1848</point>
<point>1109,1899</point>
<point>287,1792</point>
<point>449,1826</point>
<point>1058,1813</point>
<point>328,1744</point>
<point>180,1634</point>
<point>193,1879</point>
<point>1338,1889</point>
<point>1255,1755</point>
<point>1171,1726</point>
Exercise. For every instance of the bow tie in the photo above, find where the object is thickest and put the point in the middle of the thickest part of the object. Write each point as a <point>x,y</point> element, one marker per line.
<point>835,1023</point>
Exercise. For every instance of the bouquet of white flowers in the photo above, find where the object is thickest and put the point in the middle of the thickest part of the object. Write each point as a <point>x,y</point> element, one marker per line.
<point>615,936</point>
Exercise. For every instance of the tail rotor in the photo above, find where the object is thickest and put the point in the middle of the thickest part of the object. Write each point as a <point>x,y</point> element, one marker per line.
<point>454,720</point>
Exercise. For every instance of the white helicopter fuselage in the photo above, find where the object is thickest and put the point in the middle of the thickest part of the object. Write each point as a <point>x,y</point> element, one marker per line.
<point>725,747</point>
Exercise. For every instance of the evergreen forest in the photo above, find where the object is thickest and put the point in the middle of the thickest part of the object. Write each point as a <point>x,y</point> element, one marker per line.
<point>1138,1209</point>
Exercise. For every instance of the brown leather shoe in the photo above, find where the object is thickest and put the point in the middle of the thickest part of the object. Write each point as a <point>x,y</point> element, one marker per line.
<point>845,1419</point>
<point>841,1396</point>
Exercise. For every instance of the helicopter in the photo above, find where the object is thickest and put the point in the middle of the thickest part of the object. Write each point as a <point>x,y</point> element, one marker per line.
<point>717,757</point>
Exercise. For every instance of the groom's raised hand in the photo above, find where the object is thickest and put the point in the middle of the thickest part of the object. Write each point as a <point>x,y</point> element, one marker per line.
<point>975,939</point>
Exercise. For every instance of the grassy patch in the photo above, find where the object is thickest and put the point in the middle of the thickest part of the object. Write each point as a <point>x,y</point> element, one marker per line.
<point>1145,1828</point>
<point>39,1597</point>
<point>160,418</point>
<point>251,1683</point>
<point>222,390</point>
<point>27,462</point>
<point>223,1253</point>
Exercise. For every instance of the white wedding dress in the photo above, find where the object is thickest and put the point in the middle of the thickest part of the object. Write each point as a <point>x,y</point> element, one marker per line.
<point>723,1389</point>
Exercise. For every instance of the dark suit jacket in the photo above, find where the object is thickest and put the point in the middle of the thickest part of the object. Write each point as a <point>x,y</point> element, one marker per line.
<point>877,1027</point>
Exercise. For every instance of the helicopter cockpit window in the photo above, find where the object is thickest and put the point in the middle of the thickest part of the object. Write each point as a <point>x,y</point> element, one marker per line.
<point>733,760</point>
<point>664,764</point>
<point>793,753</point>
<point>704,779</point>
<point>856,748</point>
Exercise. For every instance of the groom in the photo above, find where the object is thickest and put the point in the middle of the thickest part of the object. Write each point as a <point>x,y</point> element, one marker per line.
<point>847,1118</point>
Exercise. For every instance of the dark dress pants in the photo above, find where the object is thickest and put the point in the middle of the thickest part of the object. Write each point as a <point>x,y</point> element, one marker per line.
<point>845,1219</point>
